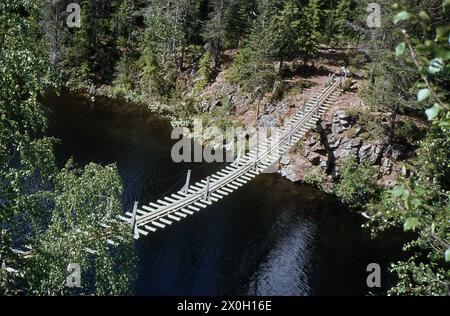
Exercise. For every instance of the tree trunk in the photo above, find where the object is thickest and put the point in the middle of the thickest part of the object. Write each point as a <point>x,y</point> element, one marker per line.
<point>181,61</point>
<point>393,125</point>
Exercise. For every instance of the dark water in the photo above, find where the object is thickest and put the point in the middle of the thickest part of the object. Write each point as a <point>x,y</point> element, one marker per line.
<point>272,237</point>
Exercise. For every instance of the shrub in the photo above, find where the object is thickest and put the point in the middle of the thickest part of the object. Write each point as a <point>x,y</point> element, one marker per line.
<point>408,131</point>
<point>126,70</point>
<point>347,84</point>
<point>206,71</point>
<point>372,123</point>
<point>152,78</point>
<point>357,185</point>
<point>315,177</point>
<point>251,73</point>
<point>298,87</point>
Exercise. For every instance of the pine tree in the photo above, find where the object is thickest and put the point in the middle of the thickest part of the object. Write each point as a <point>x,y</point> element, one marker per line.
<point>254,67</point>
<point>285,30</point>
<point>214,30</point>
<point>238,17</point>
<point>310,35</point>
<point>341,15</point>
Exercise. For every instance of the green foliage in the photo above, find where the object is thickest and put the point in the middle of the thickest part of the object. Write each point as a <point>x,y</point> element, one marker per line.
<point>347,84</point>
<point>357,185</point>
<point>316,177</point>
<point>252,69</point>
<point>126,70</point>
<point>408,132</point>
<point>428,279</point>
<point>388,91</point>
<point>237,21</point>
<point>152,80</point>
<point>371,122</point>
<point>84,201</point>
<point>420,201</point>
<point>42,209</point>
<point>285,30</point>
<point>309,25</point>
<point>280,32</point>
<point>206,71</point>
<point>342,14</point>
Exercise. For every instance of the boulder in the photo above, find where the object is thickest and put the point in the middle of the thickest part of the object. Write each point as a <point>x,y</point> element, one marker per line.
<point>334,141</point>
<point>376,154</point>
<point>314,158</point>
<point>341,122</point>
<point>285,161</point>
<point>365,153</point>
<point>268,121</point>
<point>349,147</point>
<point>291,175</point>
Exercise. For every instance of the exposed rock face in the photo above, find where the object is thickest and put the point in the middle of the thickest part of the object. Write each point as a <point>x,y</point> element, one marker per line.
<point>348,148</point>
<point>332,143</point>
<point>268,121</point>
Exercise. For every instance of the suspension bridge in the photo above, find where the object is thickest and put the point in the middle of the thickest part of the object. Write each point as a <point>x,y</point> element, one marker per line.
<point>192,198</point>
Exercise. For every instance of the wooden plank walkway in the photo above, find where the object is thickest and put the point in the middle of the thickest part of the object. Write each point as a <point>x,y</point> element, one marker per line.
<point>192,199</point>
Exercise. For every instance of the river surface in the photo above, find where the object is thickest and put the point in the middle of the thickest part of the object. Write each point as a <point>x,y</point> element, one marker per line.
<point>272,237</point>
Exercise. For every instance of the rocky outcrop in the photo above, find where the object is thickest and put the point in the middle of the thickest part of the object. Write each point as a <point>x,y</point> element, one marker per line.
<point>331,143</point>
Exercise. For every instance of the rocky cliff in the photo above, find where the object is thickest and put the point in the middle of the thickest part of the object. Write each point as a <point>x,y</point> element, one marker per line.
<point>336,138</point>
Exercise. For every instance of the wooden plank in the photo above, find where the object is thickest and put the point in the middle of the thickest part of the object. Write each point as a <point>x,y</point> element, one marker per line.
<point>165,221</point>
<point>205,202</point>
<point>142,232</point>
<point>150,228</point>
<point>242,181</point>
<point>265,163</point>
<point>174,217</point>
<point>155,205</point>
<point>246,178</point>
<point>262,169</point>
<point>200,204</point>
<point>158,224</point>
<point>191,191</point>
<point>227,189</point>
<point>178,197</point>
<point>220,191</point>
<point>163,203</point>
<point>217,196</point>
<point>193,208</point>
<point>147,208</point>
<point>187,211</point>
<point>256,173</point>
<point>141,212</point>
<point>250,175</point>
<point>198,186</point>
<point>212,198</point>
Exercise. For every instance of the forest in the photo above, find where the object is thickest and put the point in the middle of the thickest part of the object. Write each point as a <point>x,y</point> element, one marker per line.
<point>184,58</point>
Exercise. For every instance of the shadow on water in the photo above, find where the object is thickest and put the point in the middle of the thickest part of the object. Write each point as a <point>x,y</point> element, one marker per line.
<point>272,237</point>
